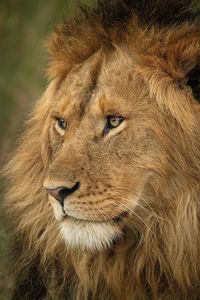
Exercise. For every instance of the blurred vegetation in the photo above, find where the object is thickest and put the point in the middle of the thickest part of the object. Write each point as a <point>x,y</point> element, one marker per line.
<point>24,25</point>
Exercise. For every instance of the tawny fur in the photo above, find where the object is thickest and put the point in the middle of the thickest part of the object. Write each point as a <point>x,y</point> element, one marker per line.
<point>137,56</point>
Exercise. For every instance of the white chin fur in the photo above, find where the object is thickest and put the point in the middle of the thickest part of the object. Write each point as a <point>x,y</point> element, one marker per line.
<point>89,235</point>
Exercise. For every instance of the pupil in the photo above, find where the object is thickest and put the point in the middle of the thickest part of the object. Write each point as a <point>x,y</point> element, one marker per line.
<point>114,121</point>
<point>62,123</point>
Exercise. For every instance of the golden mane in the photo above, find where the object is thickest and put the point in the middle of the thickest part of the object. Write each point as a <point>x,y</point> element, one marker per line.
<point>155,260</point>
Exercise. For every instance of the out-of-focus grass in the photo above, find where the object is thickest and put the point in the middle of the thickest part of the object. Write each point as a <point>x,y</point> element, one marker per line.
<point>23,27</point>
<point>5,281</point>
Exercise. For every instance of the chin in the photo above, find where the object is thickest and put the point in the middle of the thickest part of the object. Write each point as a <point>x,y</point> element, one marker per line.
<point>86,235</point>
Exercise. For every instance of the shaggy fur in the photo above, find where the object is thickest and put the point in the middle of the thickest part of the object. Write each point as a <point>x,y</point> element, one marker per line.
<point>139,59</point>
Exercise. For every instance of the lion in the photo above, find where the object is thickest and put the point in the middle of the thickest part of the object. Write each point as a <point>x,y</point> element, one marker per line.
<point>104,188</point>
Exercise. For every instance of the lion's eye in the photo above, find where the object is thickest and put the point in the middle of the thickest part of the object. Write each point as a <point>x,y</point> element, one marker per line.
<point>112,122</point>
<point>60,125</point>
<point>115,121</point>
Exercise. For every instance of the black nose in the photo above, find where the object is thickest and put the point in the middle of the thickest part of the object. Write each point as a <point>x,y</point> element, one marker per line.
<point>62,192</point>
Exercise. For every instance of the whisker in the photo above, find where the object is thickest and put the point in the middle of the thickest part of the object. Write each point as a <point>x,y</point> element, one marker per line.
<point>141,198</point>
<point>105,215</point>
<point>132,211</point>
<point>122,205</point>
<point>151,212</point>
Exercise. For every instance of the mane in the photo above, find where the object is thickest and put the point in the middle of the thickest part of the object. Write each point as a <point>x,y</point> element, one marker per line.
<point>110,22</point>
<point>149,264</point>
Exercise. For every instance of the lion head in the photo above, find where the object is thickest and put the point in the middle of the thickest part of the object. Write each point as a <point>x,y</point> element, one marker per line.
<point>104,187</point>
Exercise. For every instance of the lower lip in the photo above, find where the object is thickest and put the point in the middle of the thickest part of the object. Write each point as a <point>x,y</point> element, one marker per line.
<point>115,220</point>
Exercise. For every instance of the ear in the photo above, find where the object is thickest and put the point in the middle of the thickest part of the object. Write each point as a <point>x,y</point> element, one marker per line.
<point>173,75</point>
<point>183,62</point>
<point>193,81</point>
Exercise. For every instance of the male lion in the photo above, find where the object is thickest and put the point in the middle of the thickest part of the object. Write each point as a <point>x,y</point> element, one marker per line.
<point>104,189</point>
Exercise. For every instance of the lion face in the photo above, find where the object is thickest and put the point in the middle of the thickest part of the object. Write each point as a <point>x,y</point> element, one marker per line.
<point>101,142</point>
<point>113,127</point>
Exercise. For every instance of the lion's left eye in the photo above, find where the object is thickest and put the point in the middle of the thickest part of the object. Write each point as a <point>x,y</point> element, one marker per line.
<point>60,125</point>
<point>112,122</point>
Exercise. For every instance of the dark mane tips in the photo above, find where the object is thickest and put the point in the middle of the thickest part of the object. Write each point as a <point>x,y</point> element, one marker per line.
<point>98,25</point>
<point>150,12</point>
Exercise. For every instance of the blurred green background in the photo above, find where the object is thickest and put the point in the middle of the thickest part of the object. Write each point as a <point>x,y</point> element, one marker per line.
<point>24,25</point>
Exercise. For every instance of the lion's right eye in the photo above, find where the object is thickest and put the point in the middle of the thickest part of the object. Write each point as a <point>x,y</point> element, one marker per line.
<point>112,122</point>
<point>60,125</point>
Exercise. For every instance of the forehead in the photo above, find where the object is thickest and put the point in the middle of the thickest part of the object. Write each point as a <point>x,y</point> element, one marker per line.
<point>112,78</point>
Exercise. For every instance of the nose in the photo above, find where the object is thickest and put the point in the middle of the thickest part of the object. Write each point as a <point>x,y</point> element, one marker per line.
<point>62,192</point>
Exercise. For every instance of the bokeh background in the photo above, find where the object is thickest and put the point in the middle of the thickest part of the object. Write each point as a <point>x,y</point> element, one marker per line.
<point>24,25</point>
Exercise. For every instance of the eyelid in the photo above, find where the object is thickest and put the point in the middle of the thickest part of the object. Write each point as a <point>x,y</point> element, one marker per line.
<point>115,116</point>
<point>57,116</point>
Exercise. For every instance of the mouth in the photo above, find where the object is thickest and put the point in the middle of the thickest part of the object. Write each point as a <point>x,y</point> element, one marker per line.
<point>116,220</point>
